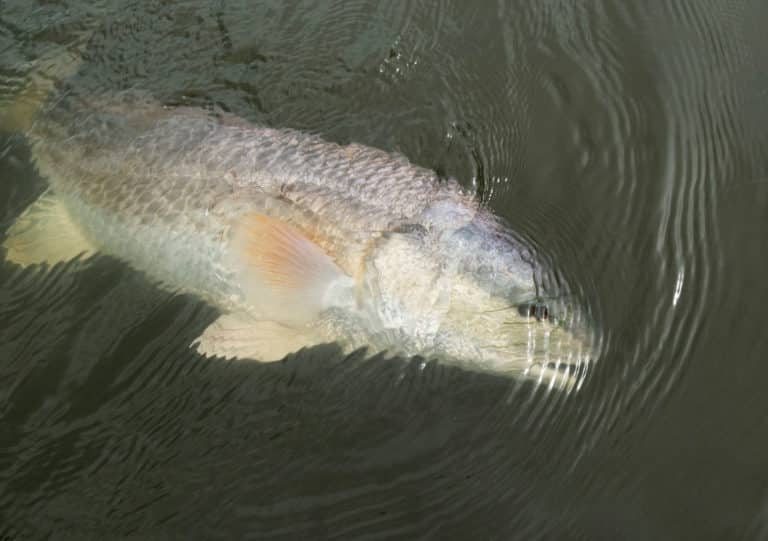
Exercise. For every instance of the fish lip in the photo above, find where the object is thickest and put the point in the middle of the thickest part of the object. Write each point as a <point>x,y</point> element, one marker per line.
<point>536,309</point>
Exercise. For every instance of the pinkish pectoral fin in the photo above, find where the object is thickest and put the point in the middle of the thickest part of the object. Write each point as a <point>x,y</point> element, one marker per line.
<point>286,276</point>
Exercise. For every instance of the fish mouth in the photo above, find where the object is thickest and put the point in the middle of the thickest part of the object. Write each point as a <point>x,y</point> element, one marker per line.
<point>548,343</point>
<point>526,342</point>
<point>551,355</point>
<point>534,309</point>
<point>562,344</point>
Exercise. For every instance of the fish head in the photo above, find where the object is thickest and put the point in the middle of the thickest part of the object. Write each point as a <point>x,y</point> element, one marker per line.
<point>456,286</point>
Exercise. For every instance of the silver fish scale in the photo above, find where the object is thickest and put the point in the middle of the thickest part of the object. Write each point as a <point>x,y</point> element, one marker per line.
<point>161,186</point>
<point>130,148</point>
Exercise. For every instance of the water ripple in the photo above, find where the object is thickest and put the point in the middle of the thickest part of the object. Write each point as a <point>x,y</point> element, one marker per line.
<point>611,137</point>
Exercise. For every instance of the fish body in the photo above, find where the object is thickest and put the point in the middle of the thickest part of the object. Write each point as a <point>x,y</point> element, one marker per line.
<point>294,239</point>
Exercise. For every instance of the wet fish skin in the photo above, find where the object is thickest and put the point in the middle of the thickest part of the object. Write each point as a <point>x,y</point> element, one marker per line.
<point>131,162</point>
<point>430,271</point>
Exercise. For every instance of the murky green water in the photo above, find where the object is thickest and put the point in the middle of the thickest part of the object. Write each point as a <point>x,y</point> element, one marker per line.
<point>628,139</point>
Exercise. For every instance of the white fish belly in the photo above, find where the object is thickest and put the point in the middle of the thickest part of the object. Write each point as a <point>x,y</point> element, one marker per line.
<point>185,259</point>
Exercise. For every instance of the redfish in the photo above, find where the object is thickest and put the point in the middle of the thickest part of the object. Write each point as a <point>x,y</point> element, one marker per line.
<point>295,240</point>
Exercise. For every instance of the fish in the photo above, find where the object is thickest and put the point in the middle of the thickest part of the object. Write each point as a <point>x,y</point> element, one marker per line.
<point>295,240</point>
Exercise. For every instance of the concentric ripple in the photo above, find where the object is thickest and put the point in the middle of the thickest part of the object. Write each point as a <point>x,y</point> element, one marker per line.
<point>617,139</point>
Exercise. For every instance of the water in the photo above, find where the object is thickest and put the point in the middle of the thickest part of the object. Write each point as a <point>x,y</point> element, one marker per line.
<point>627,139</point>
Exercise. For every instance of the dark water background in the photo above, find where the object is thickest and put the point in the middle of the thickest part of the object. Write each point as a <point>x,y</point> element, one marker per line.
<point>628,138</point>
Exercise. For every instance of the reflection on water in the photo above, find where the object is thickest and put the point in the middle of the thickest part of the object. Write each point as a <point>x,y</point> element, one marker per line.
<point>625,141</point>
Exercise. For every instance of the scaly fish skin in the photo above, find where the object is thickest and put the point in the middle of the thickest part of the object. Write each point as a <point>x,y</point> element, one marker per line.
<point>414,265</point>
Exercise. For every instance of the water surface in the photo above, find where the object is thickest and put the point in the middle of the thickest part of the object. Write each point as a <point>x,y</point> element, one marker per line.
<point>628,140</point>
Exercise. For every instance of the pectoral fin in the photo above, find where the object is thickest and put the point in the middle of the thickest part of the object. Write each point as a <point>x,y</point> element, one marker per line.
<point>238,335</point>
<point>45,233</point>
<point>285,273</point>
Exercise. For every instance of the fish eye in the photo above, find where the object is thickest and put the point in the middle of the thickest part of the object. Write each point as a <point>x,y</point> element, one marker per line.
<point>533,309</point>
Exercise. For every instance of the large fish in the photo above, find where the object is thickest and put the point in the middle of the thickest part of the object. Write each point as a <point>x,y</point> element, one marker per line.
<point>297,241</point>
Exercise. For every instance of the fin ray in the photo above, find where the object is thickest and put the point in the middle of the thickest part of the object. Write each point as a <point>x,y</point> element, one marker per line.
<point>45,233</point>
<point>285,272</point>
<point>240,336</point>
